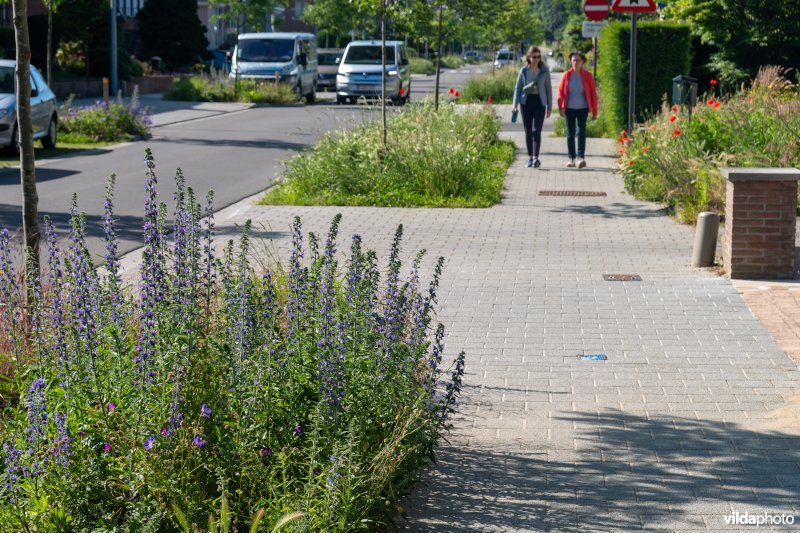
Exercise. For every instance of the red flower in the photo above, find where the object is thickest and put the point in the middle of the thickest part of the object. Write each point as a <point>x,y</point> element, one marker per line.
<point>456,94</point>
<point>489,100</point>
<point>716,105</point>
<point>673,118</point>
<point>632,162</point>
<point>402,91</point>
<point>674,108</point>
<point>676,133</point>
<point>710,101</point>
<point>713,82</point>
<point>624,133</point>
<point>452,90</point>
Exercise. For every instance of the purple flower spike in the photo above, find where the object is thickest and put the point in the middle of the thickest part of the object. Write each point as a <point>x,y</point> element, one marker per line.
<point>149,442</point>
<point>205,411</point>
<point>111,407</point>
<point>298,429</point>
<point>265,451</point>
<point>198,442</point>
<point>107,447</point>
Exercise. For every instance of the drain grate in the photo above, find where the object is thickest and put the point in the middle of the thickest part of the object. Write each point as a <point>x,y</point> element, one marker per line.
<point>593,357</point>
<point>571,193</point>
<point>622,277</point>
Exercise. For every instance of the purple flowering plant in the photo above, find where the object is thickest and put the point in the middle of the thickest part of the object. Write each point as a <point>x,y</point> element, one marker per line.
<point>112,121</point>
<point>323,381</point>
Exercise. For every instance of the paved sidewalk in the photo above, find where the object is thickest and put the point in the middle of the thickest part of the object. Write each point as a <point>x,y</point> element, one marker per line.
<point>694,414</point>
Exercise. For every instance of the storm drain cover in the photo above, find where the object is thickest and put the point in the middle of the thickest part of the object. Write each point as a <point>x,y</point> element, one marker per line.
<point>593,357</point>
<point>571,193</point>
<point>622,277</point>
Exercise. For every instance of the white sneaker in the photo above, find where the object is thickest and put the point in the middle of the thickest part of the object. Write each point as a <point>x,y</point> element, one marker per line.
<point>581,162</point>
<point>571,163</point>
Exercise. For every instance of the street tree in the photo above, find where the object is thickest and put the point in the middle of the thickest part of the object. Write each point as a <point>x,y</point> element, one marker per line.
<point>171,30</point>
<point>52,6</point>
<point>746,33</point>
<point>246,14</point>
<point>333,17</point>
<point>30,198</point>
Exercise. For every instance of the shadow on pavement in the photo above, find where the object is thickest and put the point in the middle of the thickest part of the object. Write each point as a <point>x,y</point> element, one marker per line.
<point>623,472</point>
<point>615,210</point>
<point>12,176</point>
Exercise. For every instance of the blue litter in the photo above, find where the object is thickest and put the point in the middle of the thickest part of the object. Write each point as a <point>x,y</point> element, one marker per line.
<point>593,357</point>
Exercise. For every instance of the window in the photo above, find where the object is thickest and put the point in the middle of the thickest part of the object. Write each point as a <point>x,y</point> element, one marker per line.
<point>328,59</point>
<point>7,80</point>
<point>368,55</point>
<point>266,50</point>
<point>403,56</point>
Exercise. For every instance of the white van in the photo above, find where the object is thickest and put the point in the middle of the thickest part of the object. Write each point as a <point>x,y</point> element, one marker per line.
<point>505,57</point>
<point>285,57</point>
<point>359,72</point>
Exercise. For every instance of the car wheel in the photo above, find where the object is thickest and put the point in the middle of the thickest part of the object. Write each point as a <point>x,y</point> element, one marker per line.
<point>340,100</point>
<point>49,140</point>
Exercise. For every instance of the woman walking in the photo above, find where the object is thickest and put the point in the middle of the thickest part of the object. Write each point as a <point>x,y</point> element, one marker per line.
<point>577,96</point>
<point>535,93</point>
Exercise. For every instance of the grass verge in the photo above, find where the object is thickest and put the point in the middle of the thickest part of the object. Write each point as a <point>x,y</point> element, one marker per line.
<point>444,158</point>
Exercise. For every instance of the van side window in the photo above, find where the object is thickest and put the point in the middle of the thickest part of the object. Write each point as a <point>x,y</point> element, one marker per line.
<point>403,56</point>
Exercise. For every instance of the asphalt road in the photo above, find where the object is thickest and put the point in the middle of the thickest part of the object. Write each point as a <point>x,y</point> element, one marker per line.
<point>236,154</point>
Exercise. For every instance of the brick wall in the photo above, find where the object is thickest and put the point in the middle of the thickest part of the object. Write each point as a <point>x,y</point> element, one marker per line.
<point>760,222</point>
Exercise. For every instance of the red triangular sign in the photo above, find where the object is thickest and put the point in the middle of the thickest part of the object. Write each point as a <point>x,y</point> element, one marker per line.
<point>633,6</point>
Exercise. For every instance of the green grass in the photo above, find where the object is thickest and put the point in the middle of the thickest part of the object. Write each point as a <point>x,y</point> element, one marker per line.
<point>215,89</point>
<point>499,86</point>
<point>449,158</point>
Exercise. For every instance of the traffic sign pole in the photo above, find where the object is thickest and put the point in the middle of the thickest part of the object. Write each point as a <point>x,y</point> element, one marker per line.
<point>632,81</point>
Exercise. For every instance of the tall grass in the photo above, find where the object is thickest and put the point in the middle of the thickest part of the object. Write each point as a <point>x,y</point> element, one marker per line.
<point>444,158</point>
<point>309,395</point>
<point>676,161</point>
<point>204,88</point>
<point>498,86</point>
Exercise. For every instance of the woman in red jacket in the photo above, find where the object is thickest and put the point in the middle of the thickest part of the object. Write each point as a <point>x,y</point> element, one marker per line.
<point>577,97</point>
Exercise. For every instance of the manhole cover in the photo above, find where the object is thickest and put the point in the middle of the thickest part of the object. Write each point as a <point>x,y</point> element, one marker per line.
<point>593,357</point>
<point>622,277</point>
<point>571,193</point>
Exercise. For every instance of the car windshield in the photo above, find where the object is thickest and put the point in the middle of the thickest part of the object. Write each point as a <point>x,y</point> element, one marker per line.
<point>368,55</point>
<point>7,80</point>
<point>266,50</point>
<point>327,59</point>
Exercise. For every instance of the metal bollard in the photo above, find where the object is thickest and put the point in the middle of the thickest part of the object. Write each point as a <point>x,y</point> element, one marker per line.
<point>705,239</point>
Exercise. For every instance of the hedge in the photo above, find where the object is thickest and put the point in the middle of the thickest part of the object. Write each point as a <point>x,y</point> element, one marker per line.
<point>663,52</point>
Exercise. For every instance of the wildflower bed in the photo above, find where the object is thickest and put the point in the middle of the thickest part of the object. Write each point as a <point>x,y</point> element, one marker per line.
<point>103,122</point>
<point>210,396</point>
<point>444,158</point>
<point>676,160</point>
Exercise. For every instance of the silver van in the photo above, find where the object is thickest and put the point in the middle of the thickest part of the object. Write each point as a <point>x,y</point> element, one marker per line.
<point>360,72</point>
<point>505,57</point>
<point>328,60</point>
<point>285,57</point>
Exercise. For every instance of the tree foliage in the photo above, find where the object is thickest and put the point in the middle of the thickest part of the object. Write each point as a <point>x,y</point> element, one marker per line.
<point>172,30</point>
<point>746,33</point>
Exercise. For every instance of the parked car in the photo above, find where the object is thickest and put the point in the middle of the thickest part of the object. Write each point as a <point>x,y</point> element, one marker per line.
<point>282,57</point>
<point>44,112</point>
<point>472,55</point>
<point>359,72</point>
<point>327,65</point>
<point>505,57</point>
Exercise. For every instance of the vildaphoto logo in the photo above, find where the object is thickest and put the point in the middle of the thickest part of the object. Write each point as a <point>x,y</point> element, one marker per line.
<point>763,519</point>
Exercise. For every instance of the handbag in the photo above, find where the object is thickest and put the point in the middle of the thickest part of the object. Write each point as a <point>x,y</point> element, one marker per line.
<point>530,88</point>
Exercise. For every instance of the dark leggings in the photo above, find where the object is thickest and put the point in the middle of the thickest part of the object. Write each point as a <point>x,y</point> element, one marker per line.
<point>532,120</point>
<point>576,117</point>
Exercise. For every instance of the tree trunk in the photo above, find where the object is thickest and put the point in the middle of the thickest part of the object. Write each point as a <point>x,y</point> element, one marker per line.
<point>49,42</point>
<point>30,200</point>
<point>383,68</point>
<point>438,60</point>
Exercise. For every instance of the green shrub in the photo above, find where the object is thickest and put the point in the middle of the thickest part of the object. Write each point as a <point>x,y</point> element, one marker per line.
<point>499,86</point>
<point>452,61</point>
<point>449,158</point>
<point>663,52</point>
<point>420,65</point>
<point>111,121</point>
<point>215,89</point>
<point>676,161</point>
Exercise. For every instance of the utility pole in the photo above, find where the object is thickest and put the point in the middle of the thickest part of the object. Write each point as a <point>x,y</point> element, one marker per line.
<point>114,75</point>
<point>438,60</point>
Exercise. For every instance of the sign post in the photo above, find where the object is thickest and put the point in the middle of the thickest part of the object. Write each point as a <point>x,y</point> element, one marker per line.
<point>591,30</point>
<point>634,7</point>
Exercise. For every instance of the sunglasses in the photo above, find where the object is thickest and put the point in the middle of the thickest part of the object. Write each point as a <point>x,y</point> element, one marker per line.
<point>536,56</point>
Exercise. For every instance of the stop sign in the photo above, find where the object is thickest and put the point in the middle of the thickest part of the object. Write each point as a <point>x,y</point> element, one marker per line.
<point>596,9</point>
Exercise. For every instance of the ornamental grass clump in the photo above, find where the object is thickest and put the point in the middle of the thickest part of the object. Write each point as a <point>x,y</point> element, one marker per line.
<point>309,396</point>
<point>433,158</point>
<point>676,160</point>
<point>499,86</point>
